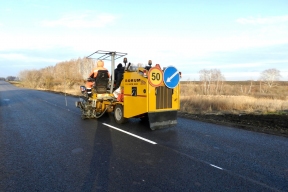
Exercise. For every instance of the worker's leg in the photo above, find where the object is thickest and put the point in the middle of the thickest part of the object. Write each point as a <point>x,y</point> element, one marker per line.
<point>89,88</point>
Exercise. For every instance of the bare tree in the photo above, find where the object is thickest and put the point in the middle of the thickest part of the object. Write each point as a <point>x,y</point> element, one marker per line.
<point>47,77</point>
<point>30,77</point>
<point>11,78</point>
<point>270,76</point>
<point>246,91</point>
<point>205,79</point>
<point>86,66</point>
<point>71,74</point>
<point>63,73</point>
<point>218,80</point>
<point>212,81</point>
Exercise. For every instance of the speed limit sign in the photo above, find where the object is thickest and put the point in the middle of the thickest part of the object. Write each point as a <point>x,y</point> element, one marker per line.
<point>155,76</point>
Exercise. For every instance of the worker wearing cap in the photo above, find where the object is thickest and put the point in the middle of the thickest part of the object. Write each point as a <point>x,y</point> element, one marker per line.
<point>93,74</point>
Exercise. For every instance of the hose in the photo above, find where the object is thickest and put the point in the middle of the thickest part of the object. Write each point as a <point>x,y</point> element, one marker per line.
<point>103,112</point>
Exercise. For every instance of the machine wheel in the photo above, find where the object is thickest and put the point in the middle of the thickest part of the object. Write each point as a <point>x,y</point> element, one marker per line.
<point>118,114</point>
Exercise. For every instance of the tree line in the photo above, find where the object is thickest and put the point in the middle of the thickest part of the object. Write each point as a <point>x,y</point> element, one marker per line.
<point>75,71</point>
<point>9,78</point>
<point>67,72</point>
<point>212,82</point>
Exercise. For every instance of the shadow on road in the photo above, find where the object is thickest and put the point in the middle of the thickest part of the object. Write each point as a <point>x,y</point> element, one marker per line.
<point>97,178</point>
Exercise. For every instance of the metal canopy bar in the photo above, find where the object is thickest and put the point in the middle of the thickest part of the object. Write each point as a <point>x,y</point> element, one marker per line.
<point>105,55</point>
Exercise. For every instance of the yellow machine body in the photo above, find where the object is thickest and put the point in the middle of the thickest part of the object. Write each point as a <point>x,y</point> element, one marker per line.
<point>141,99</point>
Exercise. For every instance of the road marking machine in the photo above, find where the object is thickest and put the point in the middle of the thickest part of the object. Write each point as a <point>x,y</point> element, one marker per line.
<point>151,93</point>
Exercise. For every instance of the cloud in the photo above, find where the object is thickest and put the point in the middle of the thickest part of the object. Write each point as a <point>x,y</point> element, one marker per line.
<point>236,65</point>
<point>263,20</point>
<point>229,76</point>
<point>24,58</point>
<point>81,21</point>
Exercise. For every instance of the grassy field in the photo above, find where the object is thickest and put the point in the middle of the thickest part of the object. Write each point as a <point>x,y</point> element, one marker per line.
<point>235,97</point>
<point>204,104</point>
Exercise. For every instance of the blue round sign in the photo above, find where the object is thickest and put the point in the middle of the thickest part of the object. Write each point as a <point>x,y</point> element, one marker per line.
<point>171,77</point>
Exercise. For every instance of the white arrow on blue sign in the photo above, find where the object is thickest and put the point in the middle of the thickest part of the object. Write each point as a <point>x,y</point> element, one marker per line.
<point>171,77</point>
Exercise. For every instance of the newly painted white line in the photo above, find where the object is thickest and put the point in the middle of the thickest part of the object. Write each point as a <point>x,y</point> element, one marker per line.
<point>216,166</point>
<point>147,140</point>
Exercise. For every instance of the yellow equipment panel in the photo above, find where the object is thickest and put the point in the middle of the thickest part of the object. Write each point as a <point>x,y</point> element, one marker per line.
<point>135,94</point>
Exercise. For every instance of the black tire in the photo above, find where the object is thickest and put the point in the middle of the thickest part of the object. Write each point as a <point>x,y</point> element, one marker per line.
<point>118,114</point>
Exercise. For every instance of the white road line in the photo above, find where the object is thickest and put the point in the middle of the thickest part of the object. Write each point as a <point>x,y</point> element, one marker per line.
<point>147,140</point>
<point>216,166</point>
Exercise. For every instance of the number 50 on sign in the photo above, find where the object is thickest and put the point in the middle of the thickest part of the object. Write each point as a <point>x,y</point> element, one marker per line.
<point>155,76</point>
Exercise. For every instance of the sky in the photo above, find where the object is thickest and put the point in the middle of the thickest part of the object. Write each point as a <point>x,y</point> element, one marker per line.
<point>240,38</point>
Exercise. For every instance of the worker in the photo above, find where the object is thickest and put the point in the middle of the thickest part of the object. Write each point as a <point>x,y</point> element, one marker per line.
<point>149,65</point>
<point>118,75</point>
<point>93,74</point>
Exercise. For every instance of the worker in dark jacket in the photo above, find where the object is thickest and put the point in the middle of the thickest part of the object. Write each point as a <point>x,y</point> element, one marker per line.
<point>118,72</point>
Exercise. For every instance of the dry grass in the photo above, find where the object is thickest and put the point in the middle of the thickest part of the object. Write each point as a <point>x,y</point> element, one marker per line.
<point>17,83</point>
<point>231,104</point>
<point>75,90</point>
<point>234,98</point>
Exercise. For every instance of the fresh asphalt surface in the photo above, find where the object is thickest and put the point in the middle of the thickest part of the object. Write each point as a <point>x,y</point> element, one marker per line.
<point>46,146</point>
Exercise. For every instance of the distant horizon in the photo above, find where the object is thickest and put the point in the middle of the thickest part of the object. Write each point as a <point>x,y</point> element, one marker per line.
<point>192,76</point>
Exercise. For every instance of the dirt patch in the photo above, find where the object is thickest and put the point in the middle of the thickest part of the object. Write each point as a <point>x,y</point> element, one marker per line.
<point>271,124</point>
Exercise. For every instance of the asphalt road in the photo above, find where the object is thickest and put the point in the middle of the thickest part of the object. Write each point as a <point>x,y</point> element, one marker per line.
<point>46,146</point>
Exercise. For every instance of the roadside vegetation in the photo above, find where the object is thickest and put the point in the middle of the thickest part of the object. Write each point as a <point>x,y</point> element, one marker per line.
<point>235,98</point>
<point>212,94</point>
<point>64,77</point>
